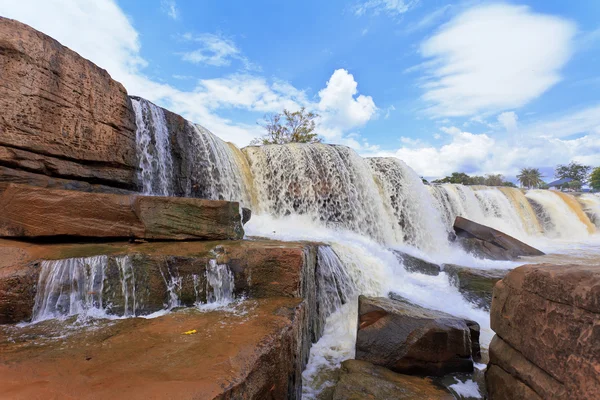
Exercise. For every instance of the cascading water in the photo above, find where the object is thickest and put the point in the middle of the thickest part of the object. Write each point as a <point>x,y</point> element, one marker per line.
<point>219,284</point>
<point>591,206</point>
<point>153,148</point>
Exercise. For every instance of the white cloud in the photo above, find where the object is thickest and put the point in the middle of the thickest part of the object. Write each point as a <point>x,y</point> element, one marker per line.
<point>490,58</point>
<point>390,7</point>
<point>170,8</point>
<point>100,31</point>
<point>215,50</point>
<point>429,19</point>
<point>508,120</point>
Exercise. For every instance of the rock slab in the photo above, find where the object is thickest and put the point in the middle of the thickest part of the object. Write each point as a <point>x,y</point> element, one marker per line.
<point>475,284</point>
<point>410,339</point>
<point>62,116</point>
<point>31,212</point>
<point>547,324</point>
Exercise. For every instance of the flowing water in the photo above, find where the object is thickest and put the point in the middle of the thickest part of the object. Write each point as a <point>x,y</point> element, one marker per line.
<point>362,208</point>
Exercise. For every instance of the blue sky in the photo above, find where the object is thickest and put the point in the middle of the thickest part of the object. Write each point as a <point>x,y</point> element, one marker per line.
<point>473,86</point>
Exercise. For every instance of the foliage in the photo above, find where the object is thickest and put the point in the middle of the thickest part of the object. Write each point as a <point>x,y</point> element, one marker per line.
<point>509,184</point>
<point>595,179</point>
<point>576,185</point>
<point>530,178</point>
<point>289,127</point>
<point>574,170</point>
<point>464,179</point>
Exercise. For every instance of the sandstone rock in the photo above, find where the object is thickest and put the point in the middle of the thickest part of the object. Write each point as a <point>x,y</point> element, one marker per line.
<point>260,269</point>
<point>362,380</point>
<point>490,243</point>
<point>549,316</point>
<point>410,339</point>
<point>475,284</point>
<point>415,264</point>
<point>28,212</point>
<point>246,355</point>
<point>504,386</point>
<point>62,116</point>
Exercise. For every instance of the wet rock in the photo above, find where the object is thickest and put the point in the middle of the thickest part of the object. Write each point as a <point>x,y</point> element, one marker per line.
<point>363,380</point>
<point>546,321</point>
<point>62,116</point>
<point>475,284</point>
<point>29,212</point>
<point>410,339</point>
<point>248,354</point>
<point>246,215</point>
<point>415,264</point>
<point>486,242</point>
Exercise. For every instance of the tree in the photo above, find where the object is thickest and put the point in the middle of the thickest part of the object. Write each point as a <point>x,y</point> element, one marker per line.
<point>509,184</point>
<point>289,127</point>
<point>530,178</point>
<point>595,179</point>
<point>574,170</point>
<point>494,180</point>
<point>575,185</point>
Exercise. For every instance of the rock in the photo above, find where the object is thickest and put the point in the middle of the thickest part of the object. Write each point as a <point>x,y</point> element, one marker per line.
<point>546,321</point>
<point>251,354</point>
<point>415,264</point>
<point>362,380</point>
<point>260,269</point>
<point>475,284</point>
<point>490,243</point>
<point>246,214</point>
<point>29,212</point>
<point>410,339</point>
<point>62,116</point>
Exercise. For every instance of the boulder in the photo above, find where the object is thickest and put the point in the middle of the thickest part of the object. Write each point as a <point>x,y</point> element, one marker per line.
<point>415,264</point>
<point>410,339</point>
<point>30,212</point>
<point>246,215</point>
<point>487,242</point>
<point>547,338</point>
<point>62,116</point>
<point>251,354</point>
<point>362,380</point>
<point>475,284</point>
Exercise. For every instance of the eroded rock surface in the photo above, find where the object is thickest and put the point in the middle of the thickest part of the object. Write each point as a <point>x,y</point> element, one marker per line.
<point>475,284</point>
<point>546,319</point>
<point>410,339</point>
<point>62,116</point>
<point>416,264</point>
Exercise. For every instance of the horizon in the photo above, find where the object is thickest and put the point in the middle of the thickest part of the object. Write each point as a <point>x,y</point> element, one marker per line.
<point>445,88</point>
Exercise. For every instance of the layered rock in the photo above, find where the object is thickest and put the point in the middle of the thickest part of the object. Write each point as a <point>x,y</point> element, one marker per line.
<point>252,354</point>
<point>363,380</point>
<point>410,339</point>
<point>416,264</point>
<point>547,345</point>
<point>475,284</point>
<point>486,242</point>
<point>29,212</point>
<point>62,116</point>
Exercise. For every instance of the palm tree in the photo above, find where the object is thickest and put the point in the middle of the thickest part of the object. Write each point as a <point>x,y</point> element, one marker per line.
<point>530,178</point>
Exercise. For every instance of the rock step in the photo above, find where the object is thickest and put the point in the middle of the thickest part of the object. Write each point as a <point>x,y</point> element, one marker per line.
<point>32,212</point>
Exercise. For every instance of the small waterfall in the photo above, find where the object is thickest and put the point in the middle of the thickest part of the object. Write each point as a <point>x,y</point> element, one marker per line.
<point>575,206</point>
<point>70,287</point>
<point>416,220</point>
<point>591,205</point>
<point>567,220</point>
<point>327,183</point>
<point>153,148</point>
<point>219,284</point>
<point>173,283</point>
<point>524,209</point>
<point>128,285</point>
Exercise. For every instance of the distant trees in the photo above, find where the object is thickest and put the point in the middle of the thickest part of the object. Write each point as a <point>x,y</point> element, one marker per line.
<point>530,178</point>
<point>595,179</point>
<point>289,127</point>
<point>573,170</point>
<point>464,179</point>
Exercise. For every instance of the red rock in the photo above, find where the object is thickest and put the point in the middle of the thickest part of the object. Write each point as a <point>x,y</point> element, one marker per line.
<point>62,116</point>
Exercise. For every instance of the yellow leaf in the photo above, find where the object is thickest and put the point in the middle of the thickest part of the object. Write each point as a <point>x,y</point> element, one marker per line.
<point>190,332</point>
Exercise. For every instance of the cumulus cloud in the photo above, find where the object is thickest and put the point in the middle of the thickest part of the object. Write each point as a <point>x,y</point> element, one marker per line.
<point>508,120</point>
<point>100,32</point>
<point>390,7</point>
<point>491,58</point>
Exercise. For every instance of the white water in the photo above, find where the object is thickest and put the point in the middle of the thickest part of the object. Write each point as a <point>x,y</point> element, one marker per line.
<point>591,205</point>
<point>219,284</point>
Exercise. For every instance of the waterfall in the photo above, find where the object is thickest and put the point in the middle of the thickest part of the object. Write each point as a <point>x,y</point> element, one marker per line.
<point>219,283</point>
<point>153,148</point>
<point>591,205</point>
<point>327,183</point>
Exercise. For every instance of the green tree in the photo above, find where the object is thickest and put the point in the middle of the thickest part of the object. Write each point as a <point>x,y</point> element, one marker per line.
<point>574,170</point>
<point>289,127</point>
<point>494,180</point>
<point>595,179</point>
<point>575,185</point>
<point>509,184</point>
<point>530,178</point>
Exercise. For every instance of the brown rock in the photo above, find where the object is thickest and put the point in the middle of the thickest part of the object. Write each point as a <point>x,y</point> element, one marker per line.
<point>415,264</point>
<point>410,339</point>
<point>62,116</point>
<point>248,355</point>
<point>507,387</point>
<point>549,314</point>
<point>475,284</point>
<point>490,243</point>
<point>28,212</point>
<point>362,380</point>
